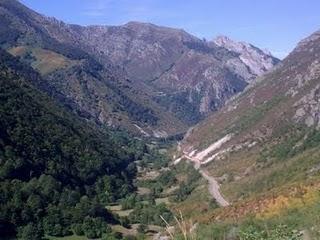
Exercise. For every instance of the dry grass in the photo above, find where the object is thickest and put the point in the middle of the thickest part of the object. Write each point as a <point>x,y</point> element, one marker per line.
<point>117,209</point>
<point>186,228</point>
<point>162,200</point>
<point>45,61</point>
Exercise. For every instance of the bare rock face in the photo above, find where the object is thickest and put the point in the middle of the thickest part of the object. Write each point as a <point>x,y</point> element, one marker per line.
<point>286,97</point>
<point>258,61</point>
<point>308,108</point>
<point>187,76</point>
<point>158,78</point>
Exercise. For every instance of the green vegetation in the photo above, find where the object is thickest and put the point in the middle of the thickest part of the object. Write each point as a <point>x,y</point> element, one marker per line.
<point>150,214</point>
<point>281,232</point>
<point>153,160</point>
<point>56,172</point>
<point>167,179</point>
<point>159,184</point>
<point>129,202</point>
<point>251,229</point>
<point>181,107</point>
<point>253,115</point>
<point>187,186</point>
<point>248,232</point>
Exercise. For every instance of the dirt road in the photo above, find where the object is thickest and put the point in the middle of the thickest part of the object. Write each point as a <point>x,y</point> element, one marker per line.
<point>213,187</point>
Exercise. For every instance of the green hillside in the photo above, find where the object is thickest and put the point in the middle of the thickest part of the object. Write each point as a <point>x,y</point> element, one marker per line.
<point>57,172</point>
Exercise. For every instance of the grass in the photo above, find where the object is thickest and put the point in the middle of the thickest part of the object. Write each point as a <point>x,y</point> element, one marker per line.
<point>285,193</point>
<point>117,209</point>
<point>72,237</point>
<point>198,202</point>
<point>162,200</point>
<point>254,115</point>
<point>123,230</point>
<point>44,61</point>
<point>295,169</point>
<point>283,188</point>
<point>303,219</point>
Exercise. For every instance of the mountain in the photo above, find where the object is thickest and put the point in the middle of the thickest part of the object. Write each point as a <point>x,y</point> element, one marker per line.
<point>55,168</point>
<point>263,145</point>
<point>148,79</point>
<point>187,76</point>
<point>258,61</point>
<point>96,91</point>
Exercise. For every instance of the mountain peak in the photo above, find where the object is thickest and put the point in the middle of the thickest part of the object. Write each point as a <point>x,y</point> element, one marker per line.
<point>182,77</point>
<point>138,24</point>
<point>225,41</point>
<point>221,39</point>
<point>257,59</point>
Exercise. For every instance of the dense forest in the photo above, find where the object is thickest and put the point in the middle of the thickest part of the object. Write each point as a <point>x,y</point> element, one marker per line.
<point>57,172</point>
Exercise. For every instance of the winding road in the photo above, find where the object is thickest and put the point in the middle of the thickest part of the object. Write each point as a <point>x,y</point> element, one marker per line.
<point>213,187</point>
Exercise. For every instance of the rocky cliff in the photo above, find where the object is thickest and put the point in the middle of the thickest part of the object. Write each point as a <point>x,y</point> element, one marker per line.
<point>150,79</point>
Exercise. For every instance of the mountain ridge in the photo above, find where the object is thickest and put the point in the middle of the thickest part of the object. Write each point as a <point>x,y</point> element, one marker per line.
<point>163,73</point>
<point>265,140</point>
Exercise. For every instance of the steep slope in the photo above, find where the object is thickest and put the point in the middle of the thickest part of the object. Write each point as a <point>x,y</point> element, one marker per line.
<point>179,77</point>
<point>293,83</point>
<point>99,92</point>
<point>56,171</point>
<point>152,80</point>
<point>257,60</point>
<point>263,146</point>
<point>186,75</point>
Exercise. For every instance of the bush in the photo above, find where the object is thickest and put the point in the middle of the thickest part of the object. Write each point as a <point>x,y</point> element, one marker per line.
<point>78,229</point>
<point>142,228</point>
<point>150,214</point>
<point>281,232</point>
<point>95,227</point>
<point>30,232</point>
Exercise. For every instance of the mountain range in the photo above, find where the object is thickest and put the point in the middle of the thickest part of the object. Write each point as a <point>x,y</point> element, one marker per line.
<point>262,147</point>
<point>116,129</point>
<point>151,80</point>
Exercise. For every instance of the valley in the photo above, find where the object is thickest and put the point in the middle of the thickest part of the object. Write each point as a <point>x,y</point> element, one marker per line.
<point>141,131</point>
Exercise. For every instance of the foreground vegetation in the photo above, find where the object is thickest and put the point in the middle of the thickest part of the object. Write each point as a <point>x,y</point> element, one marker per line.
<point>57,173</point>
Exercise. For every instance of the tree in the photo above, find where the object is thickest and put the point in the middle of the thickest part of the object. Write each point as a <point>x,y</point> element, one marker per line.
<point>95,227</point>
<point>142,228</point>
<point>78,229</point>
<point>30,232</point>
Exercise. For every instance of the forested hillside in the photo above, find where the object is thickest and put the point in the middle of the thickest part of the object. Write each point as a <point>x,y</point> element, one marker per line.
<point>57,172</point>
<point>151,80</point>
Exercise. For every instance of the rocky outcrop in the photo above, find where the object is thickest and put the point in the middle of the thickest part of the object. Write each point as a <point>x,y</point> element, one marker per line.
<point>195,77</point>
<point>288,97</point>
<point>308,108</point>
<point>257,61</point>
<point>161,79</point>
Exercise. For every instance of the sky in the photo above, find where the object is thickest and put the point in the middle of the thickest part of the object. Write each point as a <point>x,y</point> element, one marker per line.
<point>276,25</point>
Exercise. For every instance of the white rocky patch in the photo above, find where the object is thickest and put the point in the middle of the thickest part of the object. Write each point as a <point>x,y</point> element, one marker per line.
<point>256,60</point>
<point>301,81</point>
<point>176,161</point>
<point>160,134</point>
<point>214,156</point>
<point>216,145</point>
<point>142,131</point>
<point>192,153</point>
<point>308,108</point>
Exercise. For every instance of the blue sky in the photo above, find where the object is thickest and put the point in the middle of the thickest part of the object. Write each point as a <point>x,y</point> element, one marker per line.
<point>273,24</point>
